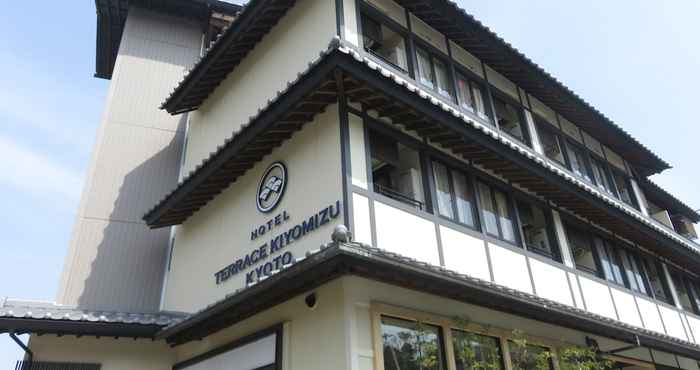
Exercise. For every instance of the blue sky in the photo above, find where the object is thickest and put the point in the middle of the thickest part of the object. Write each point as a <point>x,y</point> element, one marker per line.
<point>635,60</point>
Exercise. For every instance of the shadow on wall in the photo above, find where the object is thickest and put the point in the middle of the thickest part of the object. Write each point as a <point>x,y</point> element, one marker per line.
<point>127,271</point>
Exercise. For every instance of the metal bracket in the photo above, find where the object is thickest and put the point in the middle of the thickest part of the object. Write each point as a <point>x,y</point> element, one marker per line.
<point>30,354</point>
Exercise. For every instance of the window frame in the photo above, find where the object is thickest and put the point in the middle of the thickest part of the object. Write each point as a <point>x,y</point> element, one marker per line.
<point>446,60</point>
<point>612,253</point>
<point>541,126</point>
<point>453,195</point>
<point>500,95</point>
<point>595,158</point>
<point>493,186</point>
<point>474,79</point>
<point>378,16</point>
<point>571,142</point>
<point>646,260</point>
<point>586,230</point>
<point>407,141</point>
<point>628,183</point>
<point>550,228</point>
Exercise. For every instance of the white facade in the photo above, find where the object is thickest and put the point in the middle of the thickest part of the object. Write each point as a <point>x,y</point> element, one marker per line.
<point>222,250</point>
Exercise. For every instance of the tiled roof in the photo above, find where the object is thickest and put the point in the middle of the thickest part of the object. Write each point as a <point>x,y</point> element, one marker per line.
<point>667,200</point>
<point>112,14</point>
<point>358,56</point>
<point>364,255</point>
<point>35,310</point>
<point>233,44</point>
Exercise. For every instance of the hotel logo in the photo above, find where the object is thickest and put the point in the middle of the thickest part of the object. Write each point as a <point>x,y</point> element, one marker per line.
<point>271,187</point>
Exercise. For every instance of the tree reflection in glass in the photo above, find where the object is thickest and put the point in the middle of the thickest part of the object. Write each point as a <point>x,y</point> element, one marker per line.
<point>409,345</point>
<point>476,352</point>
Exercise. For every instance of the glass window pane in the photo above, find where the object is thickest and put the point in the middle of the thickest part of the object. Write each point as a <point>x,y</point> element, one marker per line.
<point>425,74</point>
<point>578,161</point>
<point>443,78</point>
<point>488,210</point>
<point>504,216</point>
<point>479,104</point>
<point>529,357</point>
<point>633,271</point>
<point>383,42</point>
<point>464,93</point>
<point>608,259</point>
<point>693,286</point>
<point>396,170</point>
<point>474,351</point>
<point>581,250</point>
<point>534,224</point>
<point>657,281</point>
<point>442,188</point>
<point>682,291</point>
<point>408,345</point>
<point>623,187</point>
<point>551,145</point>
<point>508,117</point>
<point>465,197</point>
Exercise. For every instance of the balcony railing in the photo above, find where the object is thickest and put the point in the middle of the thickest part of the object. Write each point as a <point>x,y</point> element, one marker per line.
<point>43,365</point>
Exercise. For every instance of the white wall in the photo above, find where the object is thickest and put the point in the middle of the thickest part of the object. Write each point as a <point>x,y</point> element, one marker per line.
<point>299,37</point>
<point>220,233</point>
<point>113,354</point>
<point>312,340</point>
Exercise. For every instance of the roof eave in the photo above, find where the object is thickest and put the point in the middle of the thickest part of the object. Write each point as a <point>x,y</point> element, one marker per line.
<point>69,327</point>
<point>111,17</point>
<point>336,260</point>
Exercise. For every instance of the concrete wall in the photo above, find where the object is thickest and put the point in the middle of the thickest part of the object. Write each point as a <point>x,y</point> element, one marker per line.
<point>114,262</point>
<point>113,354</point>
<point>299,37</point>
<point>220,233</point>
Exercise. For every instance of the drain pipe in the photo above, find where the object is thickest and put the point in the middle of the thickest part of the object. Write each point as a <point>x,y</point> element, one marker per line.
<point>30,354</point>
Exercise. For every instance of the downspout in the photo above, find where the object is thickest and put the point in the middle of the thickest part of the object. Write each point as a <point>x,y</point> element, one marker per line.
<point>27,351</point>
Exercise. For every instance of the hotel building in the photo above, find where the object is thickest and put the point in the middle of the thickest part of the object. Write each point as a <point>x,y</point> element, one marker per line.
<point>360,185</point>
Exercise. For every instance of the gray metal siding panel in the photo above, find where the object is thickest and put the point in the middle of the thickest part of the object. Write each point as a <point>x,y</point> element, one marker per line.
<point>114,261</point>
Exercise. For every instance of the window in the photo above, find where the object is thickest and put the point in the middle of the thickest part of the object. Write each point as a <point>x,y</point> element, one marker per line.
<point>577,161</point>
<point>432,72</point>
<point>408,345</point>
<point>529,357</point>
<point>396,170</point>
<point>535,227</point>
<point>474,351</point>
<point>684,297</point>
<point>551,145</point>
<point>454,195</point>
<point>657,281</point>
<point>635,274</point>
<point>609,260</point>
<point>383,42</point>
<point>471,96</point>
<point>509,119</point>
<point>624,188</point>
<point>601,176</point>
<point>581,250</point>
<point>496,211</point>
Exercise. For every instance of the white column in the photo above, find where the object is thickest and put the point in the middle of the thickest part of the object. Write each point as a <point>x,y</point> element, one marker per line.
<point>566,256</point>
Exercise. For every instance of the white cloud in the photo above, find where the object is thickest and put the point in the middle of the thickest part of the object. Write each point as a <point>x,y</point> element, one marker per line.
<point>35,173</point>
